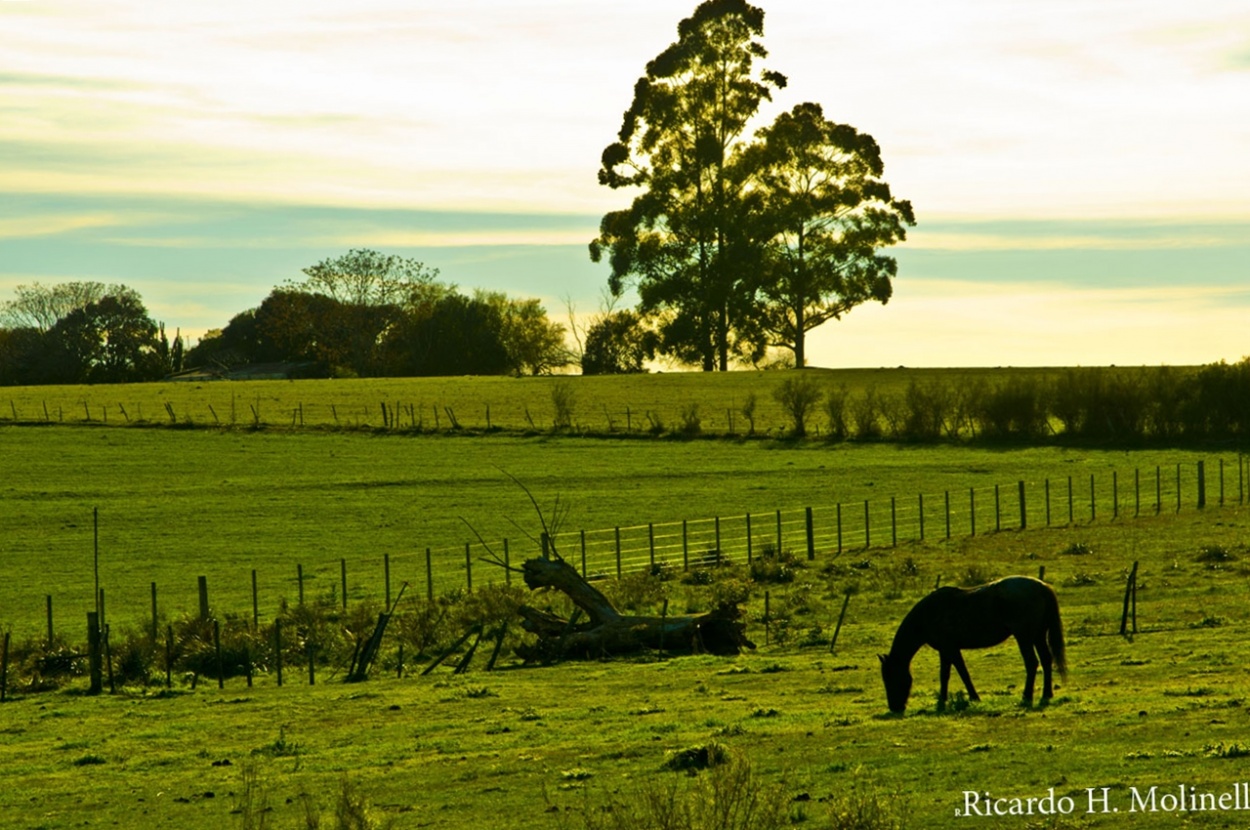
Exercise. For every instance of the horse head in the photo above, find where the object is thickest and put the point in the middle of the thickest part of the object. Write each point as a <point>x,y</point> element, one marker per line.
<point>897,676</point>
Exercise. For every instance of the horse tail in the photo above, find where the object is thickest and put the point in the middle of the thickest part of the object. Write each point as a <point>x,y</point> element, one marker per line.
<point>1054,635</point>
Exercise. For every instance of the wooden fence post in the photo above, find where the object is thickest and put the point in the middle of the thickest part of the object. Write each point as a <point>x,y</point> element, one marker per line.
<point>1024,513</point>
<point>718,550</point>
<point>838,628</point>
<point>299,577</point>
<point>867,527</point>
<point>1202,485</point>
<point>839,528</point>
<point>1158,489</point>
<point>811,535</point>
<point>1130,588</point>
<point>998,512</point>
<point>343,580</point>
<point>429,576</point>
<point>685,546</point>
<point>893,522</point>
<point>93,653</point>
<point>921,514</point>
<point>203,589</point>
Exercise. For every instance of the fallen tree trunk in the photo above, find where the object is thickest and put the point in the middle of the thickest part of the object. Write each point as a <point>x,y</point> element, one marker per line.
<point>607,632</point>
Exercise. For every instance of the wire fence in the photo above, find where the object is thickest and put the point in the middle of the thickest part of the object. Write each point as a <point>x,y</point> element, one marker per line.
<point>816,532</point>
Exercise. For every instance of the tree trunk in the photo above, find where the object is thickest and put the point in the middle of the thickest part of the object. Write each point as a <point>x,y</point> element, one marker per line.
<point>607,632</point>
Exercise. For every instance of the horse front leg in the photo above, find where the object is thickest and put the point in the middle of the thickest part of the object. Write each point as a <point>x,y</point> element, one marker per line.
<point>944,676</point>
<point>958,660</point>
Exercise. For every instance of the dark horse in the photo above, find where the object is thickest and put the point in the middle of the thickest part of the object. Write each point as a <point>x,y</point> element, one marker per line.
<point>951,619</point>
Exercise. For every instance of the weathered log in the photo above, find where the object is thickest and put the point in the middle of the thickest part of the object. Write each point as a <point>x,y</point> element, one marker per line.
<point>607,632</point>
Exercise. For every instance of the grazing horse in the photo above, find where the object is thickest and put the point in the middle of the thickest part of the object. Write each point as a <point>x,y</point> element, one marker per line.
<point>951,619</point>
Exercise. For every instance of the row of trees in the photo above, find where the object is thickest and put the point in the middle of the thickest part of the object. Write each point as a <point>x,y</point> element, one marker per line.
<point>362,314</point>
<point>739,244</point>
<point>369,314</point>
<point>82,332</point>
<point>1126,405</point>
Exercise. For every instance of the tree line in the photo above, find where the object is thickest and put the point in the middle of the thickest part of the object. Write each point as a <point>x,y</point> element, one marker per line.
<point>363,314</point>
<point>82,332</point>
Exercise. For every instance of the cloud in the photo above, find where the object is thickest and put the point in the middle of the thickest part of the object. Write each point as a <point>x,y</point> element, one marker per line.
<point>28,227</point>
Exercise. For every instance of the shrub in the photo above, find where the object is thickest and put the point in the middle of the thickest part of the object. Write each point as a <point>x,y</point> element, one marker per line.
<point>772,566</point>
<point>691,423</point>
<point>799,394</point>
<point>1013,409</point>
<point>563,403</point>
<point>836,398</point>
<point>748,411</point>
<point>866,416</point>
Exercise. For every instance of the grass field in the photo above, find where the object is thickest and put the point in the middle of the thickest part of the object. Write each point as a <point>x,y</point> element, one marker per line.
<point>1166,708</point>
<point>602,404</point>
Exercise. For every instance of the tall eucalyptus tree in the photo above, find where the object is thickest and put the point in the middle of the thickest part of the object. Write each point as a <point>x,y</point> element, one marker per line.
<point>827,212</point>
<point>683,242</point>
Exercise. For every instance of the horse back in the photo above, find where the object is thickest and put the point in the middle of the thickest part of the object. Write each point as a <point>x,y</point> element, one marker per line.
<point>987,615</point>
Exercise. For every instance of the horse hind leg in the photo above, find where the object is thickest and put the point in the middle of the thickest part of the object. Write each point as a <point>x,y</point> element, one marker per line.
<point>1043,651</point>
<point>1030,670</point>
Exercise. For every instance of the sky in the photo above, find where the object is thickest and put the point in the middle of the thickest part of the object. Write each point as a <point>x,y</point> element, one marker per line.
<point>1080,170</point>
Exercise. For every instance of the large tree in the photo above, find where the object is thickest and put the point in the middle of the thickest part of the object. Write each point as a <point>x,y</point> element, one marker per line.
<point>361,295</point>
<point>679,241</point>
<point>112,340</point>
<point>827,213</point>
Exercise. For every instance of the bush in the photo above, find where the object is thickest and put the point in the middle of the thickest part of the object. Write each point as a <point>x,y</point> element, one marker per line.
<point>866,416</point>
<point>835,411</point>
<point>1014,409</point>
<point>799,394</point>
<point>772,566</point>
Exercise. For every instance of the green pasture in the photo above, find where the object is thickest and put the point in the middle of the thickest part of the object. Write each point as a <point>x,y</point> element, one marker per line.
<point>598,404</point>
<point>174,505</point>
<point>540,746</point>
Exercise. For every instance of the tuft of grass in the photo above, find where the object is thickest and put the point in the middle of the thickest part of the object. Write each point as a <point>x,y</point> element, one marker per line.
<point>89,760</point>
